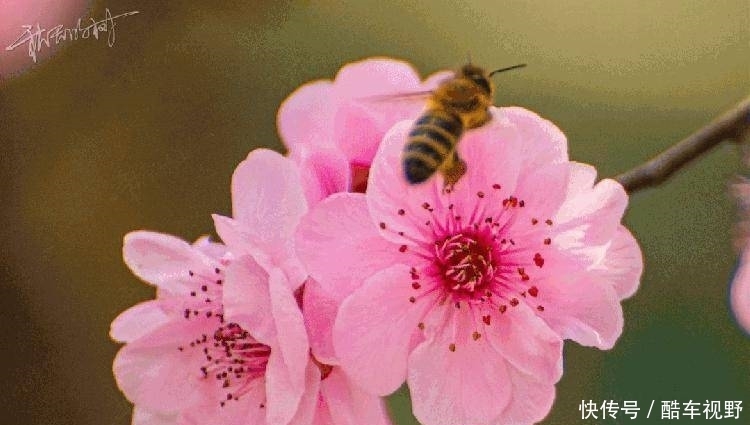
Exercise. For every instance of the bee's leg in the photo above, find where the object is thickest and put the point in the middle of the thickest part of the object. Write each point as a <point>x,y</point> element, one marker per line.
<point>453,171</point>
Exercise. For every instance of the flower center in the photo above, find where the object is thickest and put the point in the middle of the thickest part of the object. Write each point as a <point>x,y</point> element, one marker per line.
<point>465,262</point>
<point>234,358</point>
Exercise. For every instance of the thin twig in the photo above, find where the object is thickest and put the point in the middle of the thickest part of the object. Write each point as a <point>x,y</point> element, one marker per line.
<point>729,125</point>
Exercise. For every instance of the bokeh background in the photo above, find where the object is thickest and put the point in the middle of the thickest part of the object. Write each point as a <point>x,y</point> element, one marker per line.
<point>98,141</point>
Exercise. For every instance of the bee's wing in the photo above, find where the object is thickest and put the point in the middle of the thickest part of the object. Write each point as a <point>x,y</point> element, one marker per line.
<point>398,97</point>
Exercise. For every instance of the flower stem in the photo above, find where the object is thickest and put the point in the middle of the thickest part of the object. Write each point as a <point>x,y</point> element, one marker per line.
<point>731,125</point>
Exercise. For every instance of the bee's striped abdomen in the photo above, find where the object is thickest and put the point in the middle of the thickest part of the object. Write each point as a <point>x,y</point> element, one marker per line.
<point>431,143</point>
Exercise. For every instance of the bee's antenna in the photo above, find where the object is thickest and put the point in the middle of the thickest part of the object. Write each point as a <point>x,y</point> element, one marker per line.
<point>468,58</point>
<point>497,71</point>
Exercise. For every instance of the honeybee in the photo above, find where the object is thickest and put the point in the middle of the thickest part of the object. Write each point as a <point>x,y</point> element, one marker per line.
<point>456,105</point>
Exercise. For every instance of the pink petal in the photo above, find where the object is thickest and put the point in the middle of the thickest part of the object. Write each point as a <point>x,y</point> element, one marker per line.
<point>242,240</point>
<point>263,304</point>
<point>341,246</point>
<point>305,117</point>
<point>267,197</point>
<point>211,249</point>
<point>434,80</point>
<point>309,402</point>
<point>145,417</point>
<point>349,405</point>
<point>623,264</point>
<point>357,132</point>
<point>491,176</point>
<point>322,414</point>
<point>319,308</point>
<point>382,75</point>
<point>246,410</point>
<point>582,308</point>
<point>163,260</point>
<point>469,385</point>
<point>156,376</point>
<point>543,193</point>
<point>285,373</point>
<point>739,295</point>
<point>490,153</point>
<point>543,142</point>
<point>247,300</point>
<point>595,213</point>
<point>526,342</point>
<point>138,321</point>
<point>361,121</point>
<point>368,335</point>
<point>531,400</point>
<point>326,171</point>
<point>267,203</point>
<point>581,179</point>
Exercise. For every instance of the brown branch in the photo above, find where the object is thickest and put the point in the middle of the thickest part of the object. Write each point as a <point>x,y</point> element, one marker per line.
<point>729,125</point>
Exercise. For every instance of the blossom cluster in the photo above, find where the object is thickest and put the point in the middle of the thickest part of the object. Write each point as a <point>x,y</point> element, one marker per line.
<point>337,280</point>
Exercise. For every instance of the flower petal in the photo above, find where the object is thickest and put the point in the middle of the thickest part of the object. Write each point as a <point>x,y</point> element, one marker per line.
<point>370,334</point>
<point>155,375</point>
<point>491,155</point>
<point>138,321</point>
<point>622,264</point>
<point>164,260</point>
<point>340,246</point>
<point>582,308</point>
<point>247,300</point>
<point>267,203</point>
<point>382,76</point>
<point>145,417</point>
<point>526,342</point>
<point>249,408</point>
<point>305,117</point>
<point>543,142</point>
<point>455,379</point>
<point>267,197</point>
<point>595,213</point>
<point>285,372</point>
<point>241,240</point>
<point>326,171</point>
<point>531,400</point>
<point>349,405</point>
<point>543,193</point>
<point>309,402</point>
<point>739,295</point>
<point>319,309</point>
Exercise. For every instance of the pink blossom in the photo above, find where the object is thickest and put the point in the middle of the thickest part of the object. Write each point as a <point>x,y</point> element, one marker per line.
<point>267,203</point>
<point>468,294</point>
<point>739,294</point>
<point>333,128</point>
<point>186,362</point>
<point>48,14</point>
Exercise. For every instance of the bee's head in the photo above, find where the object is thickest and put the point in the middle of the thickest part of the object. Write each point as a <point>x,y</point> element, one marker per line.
<point>478,76</point>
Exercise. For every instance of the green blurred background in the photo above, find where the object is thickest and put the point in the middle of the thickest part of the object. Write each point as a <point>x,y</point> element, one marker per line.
<point>97,141</point>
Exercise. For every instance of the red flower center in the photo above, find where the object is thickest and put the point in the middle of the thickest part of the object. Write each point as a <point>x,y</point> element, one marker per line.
<point>465,261</point>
